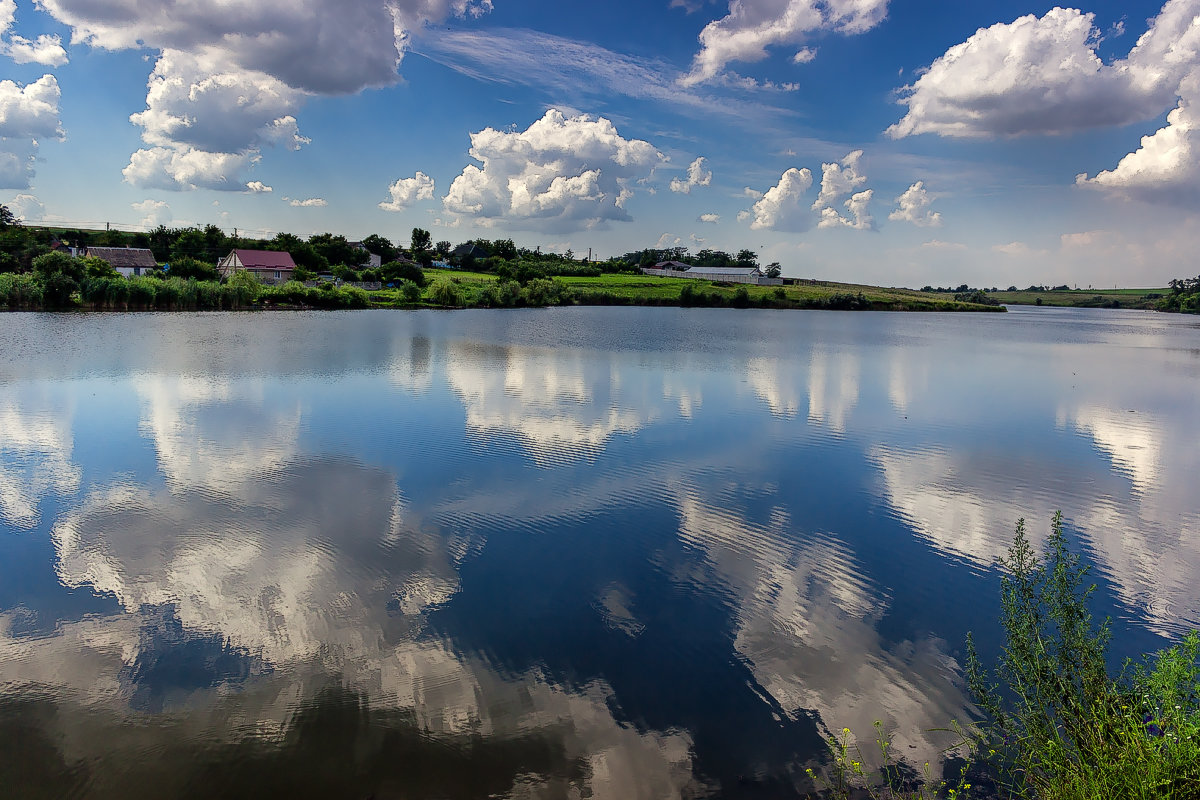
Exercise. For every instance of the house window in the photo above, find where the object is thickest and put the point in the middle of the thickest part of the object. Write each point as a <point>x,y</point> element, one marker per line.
<point>278,275</point>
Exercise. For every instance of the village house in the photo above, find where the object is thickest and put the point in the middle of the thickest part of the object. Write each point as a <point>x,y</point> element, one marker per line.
<point>269,266</point>
<point>131,262</point>
<point>374,260</point>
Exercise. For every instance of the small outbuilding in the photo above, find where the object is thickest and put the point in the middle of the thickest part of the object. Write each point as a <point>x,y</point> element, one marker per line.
<point>129,261</point>
<point>269,266</point>
<point>675,269</point>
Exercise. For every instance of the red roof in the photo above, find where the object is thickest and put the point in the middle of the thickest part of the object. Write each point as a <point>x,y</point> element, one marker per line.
<point>265,259</point>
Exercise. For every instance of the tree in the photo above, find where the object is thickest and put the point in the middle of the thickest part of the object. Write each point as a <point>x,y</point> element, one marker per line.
<point>190,243</point>
<point>187,267</point>
<point>58,264</point>
<point>504,248</point>
<point>161,240</point>
<point>303,253</point>
<point>7,218</point>
<point>421,244</point>
<point>774,270</point>
<point>381,247</point>
<point>747,258</point>
<point>98,268</point>
<point>443,248</point>
<point>395,271</point>
<point>336,250</point>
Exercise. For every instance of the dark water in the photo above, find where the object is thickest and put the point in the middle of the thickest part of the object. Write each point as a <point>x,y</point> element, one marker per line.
<point>609,553</point>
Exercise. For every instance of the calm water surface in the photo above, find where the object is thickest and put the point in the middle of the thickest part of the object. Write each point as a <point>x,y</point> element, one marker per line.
<point>609,553</point>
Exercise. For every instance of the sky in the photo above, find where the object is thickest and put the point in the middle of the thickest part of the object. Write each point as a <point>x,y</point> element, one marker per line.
<point>895,143</point>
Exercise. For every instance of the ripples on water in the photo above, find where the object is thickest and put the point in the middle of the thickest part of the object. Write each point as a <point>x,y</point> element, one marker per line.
<point>610,552</point>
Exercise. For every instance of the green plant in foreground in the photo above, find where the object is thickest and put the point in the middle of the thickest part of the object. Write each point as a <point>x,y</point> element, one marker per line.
<point>848,777</point>
<point>1058,726</point>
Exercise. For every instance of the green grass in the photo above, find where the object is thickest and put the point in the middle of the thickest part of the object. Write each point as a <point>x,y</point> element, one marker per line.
<point>630,289</point>
<point>1086,298</point>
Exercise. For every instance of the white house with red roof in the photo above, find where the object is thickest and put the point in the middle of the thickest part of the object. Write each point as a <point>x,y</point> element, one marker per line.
<point>269,266</point>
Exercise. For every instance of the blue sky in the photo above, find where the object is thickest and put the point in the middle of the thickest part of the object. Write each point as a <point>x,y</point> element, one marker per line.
<point>865,140</point>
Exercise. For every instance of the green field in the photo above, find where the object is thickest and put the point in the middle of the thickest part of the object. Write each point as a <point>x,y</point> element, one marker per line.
<point>1086,298</point>
<point>629,289</point>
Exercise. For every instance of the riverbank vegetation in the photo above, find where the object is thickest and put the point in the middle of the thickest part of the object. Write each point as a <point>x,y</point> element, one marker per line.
<point>37,272</point>
<point>1184,296</point>
<point>1056,724</point>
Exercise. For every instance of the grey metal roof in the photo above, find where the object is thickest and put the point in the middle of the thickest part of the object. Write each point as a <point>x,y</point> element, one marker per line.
<point>724,270</point>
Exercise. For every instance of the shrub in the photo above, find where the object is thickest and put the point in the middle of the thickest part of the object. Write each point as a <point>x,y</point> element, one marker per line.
<point>402,271</point>
<point>243,288</point>
<point>143,292</point>
<point>354,297</point>
<point>978,296</point>
<point>168,294</point>
<point>208,295</point>
<point>545,292</point>
<point>102,293</point>
<point>19,291</point>
<point>445,292</point>
<point>410,292</point>
<point>57,288</point>
<point>1058,726</point>
<point>347,274</point>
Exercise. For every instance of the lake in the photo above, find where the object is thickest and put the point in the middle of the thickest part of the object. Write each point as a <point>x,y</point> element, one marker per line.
<point>577,552</point>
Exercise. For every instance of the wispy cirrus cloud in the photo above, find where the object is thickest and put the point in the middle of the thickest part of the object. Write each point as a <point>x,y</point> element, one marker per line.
<point>568,68</point>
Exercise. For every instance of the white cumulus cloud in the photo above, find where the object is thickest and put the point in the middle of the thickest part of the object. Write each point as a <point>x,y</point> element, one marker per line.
<point>27,114</point>
<point>1166,168</point>
<point>915,206</point>
<point>46,49</point>
<point>1042,75</point>
<point>312,202</point>
<point>27,207</point>
<point>155,213</point>
<point>712,219</point>
<point>256,187</point>
<point>839,180</point>
<point>186,168</point>
<point>406,191</point>
<point>560,174</point>
<point>783,207</point>
<point>196,101</point>
<point>697,175</point>
<point>858,217</point>
<point>233,73</point>
<point>754,25</point>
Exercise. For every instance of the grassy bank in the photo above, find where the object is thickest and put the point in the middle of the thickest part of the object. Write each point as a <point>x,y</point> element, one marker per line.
<point>1085,298</point>
<point>479,289</point>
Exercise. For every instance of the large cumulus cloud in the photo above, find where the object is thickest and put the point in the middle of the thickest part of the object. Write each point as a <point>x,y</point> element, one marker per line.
<point>561,173</point>
<point>754,25</point>
<point>1042,75</point>
<point>782,207</point>
<point>1167,165</point>
<point>232,73</point>
<point>27,114</point>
